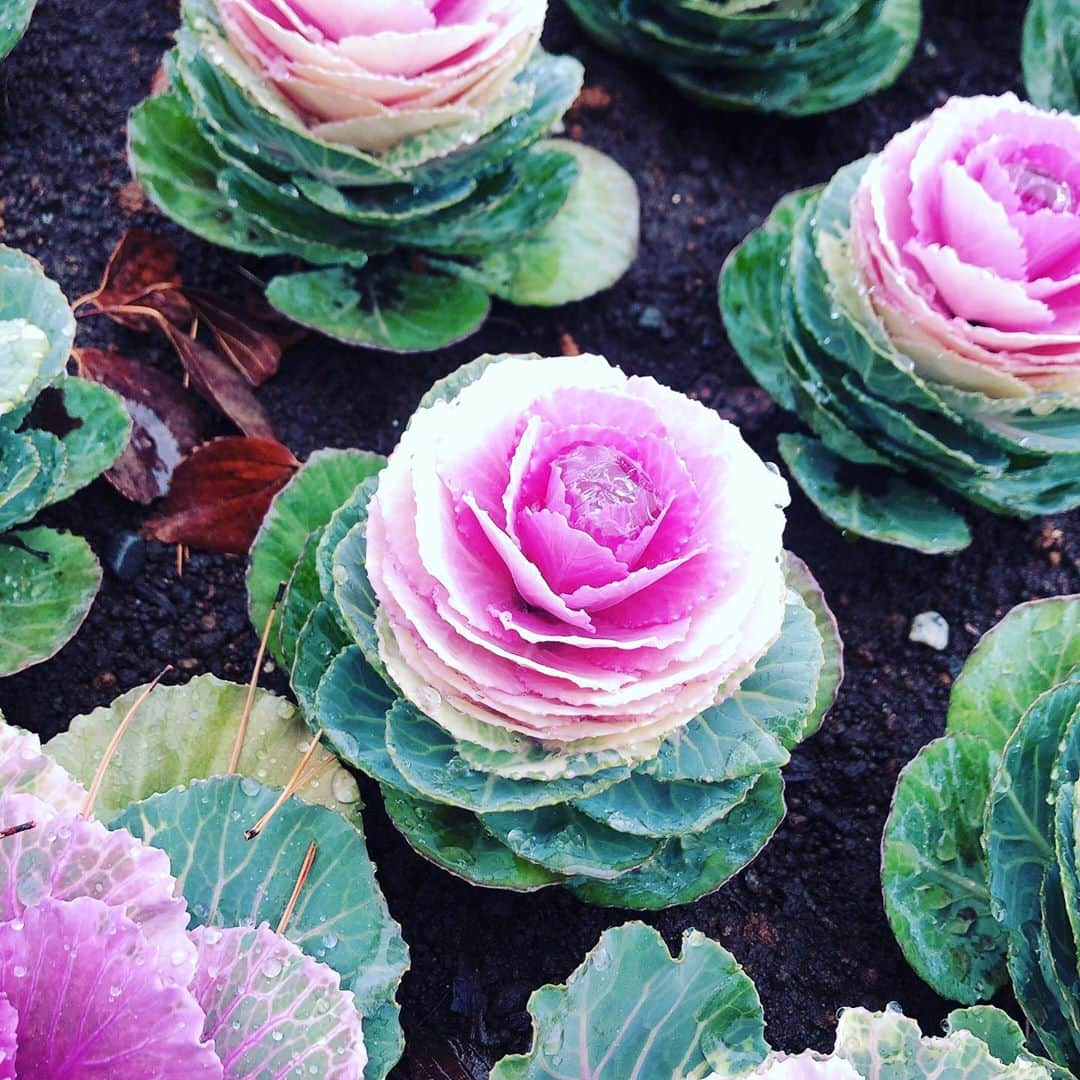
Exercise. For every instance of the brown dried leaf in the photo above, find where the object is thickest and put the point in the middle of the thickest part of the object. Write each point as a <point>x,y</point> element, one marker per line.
<point>252,348</point>
<point>141,272</point>
<point>222,384</point>
<point>221,492</point>
<point>166,425</point>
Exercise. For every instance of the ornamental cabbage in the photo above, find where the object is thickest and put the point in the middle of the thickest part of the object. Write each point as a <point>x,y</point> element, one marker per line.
<point>99,975</point>
<point>48,579</point>
<point>397,148</point>
<point>630,1009</point>
<point>916,313</point>
<point>558,627</point>
<point>147,928</point>
<point>979,857</point>
<point>796,58</point>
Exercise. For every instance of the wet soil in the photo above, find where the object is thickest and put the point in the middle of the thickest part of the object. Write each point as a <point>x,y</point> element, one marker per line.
<point>806,918</point>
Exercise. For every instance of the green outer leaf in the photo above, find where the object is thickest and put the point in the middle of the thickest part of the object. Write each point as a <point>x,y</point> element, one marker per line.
<point>1032,649</point>
<point>1051,54</point>
<point>566,841</point>
<point>584,249</point>
<point>643,806</point>
<point>353,597</point>
<point>1003,1037</point>
<point>304,505</point>
<point>23,349</point>
<point>516,202</point>
<point>52,464</point>
<point>43,602</point>
<point>455,840</point>
<point>724,742</point>
<point>890,1045</point>
<point>178,168</point>
<point>448,387</point>
<point>26,293</point>
<point>14,19</point>
<point>754,299</point>
<point>351,704</point>
<point>21,462</point>
<point>426,756</point>
<point>801,579</point>
<point>631,1010</point>
<point>185,733</point>
<point>933,870</point>
<point>302,596</point>
<point>320,640</point>
<point>692,866</point>
<point>340,919</point>
<point>353,511</point>
<point>393,310</point>
<point>905,515</point>
<point>1019,848</point>
<point>103,431</point>
<point>854,66</point>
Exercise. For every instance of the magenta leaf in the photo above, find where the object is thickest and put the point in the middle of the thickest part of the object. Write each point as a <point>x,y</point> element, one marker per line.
<point>92,1002</point>
<point>272,1011</point>
<point>65,857</point>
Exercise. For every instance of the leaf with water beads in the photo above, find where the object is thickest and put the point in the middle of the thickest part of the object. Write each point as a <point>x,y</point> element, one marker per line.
<point>269,1008</point>
<point>631,1009</point>
<point>340,919</point>
<point>187,732</point>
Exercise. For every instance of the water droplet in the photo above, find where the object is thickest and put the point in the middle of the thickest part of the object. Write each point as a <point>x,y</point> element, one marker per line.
<point>1039,189</point>
<point>271,968</point>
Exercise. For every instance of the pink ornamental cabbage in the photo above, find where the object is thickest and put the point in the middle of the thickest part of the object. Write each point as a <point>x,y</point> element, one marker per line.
<point>966,230</point>
<point>100,977</point>
<point>371,74</point>
<point>570,553</point>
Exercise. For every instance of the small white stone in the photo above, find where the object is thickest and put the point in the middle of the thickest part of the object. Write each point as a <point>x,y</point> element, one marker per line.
<point>930,628</point>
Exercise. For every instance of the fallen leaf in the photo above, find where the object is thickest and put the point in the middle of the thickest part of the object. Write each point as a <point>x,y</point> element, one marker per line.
<point>432,1058</point>
<point>221,383</point>
<point>166,425</point>
<point>252,348</point>
<point>221,492</point>
<point>141,273</point>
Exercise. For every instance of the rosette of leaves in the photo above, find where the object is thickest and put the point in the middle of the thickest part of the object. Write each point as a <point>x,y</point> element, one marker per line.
<point>979,854</point>
<point>796,58</point>
<point>14,19</point>
<point>886,407</point>
<point>407,243</point>
<point>660,824</point>
<point>167,787</point>
<point>57,434</point>
<point>631,1009</point>
<point>1051,54</point>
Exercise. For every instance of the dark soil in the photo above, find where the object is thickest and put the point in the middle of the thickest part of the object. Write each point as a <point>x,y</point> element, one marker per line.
<point>806,918</point>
